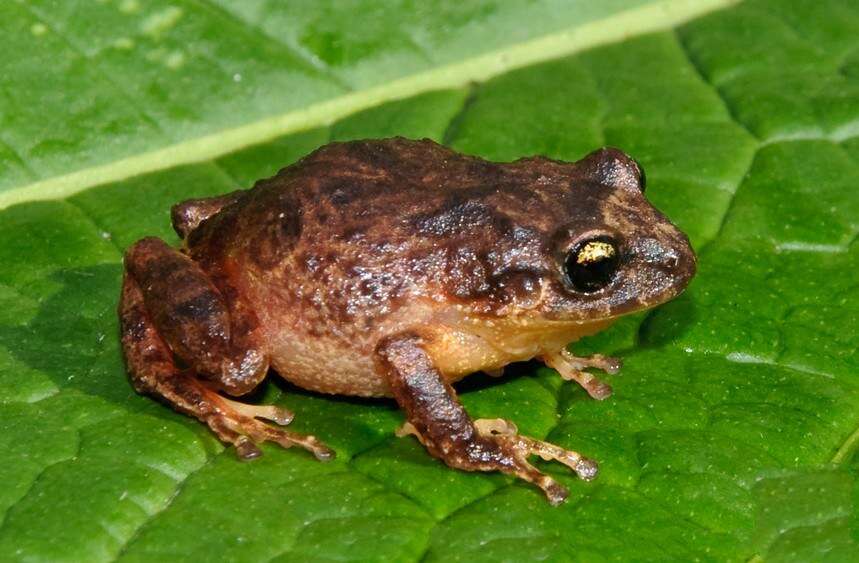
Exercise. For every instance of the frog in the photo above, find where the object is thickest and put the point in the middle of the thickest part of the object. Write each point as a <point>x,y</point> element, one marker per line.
<point>394,268</point>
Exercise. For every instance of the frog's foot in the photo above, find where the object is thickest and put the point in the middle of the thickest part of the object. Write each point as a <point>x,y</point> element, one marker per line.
<point>572,367</point>
<point>499,446</point>
<point>234,422</point>
<point>246,433</point>
<point>505,432</point>
<point>514,450</point>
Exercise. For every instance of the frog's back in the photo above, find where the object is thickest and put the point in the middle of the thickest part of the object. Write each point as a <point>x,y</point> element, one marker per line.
<point>374,219</point>
<point>359,239</point>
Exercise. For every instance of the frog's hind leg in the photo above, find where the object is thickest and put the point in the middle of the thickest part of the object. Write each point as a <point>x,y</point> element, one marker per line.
<point>185,317</point>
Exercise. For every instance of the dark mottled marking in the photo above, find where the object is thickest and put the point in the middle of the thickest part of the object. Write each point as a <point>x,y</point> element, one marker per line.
<point>456,217</point>
<point>192,317</point>
<point>199,308</point>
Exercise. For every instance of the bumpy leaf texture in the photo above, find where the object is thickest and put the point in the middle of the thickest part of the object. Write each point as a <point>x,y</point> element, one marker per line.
<point>733,428</point>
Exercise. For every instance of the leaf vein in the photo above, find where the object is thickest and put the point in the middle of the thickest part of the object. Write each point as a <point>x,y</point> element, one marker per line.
<point>624,24</point>
<point>729,108</point>
<point>180,486</point>
<point>38,478</point>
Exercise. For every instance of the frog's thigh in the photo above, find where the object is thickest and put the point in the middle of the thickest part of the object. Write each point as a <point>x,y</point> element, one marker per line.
<point>193,319</point>
<point>153,371</point>
<point>435,415</point>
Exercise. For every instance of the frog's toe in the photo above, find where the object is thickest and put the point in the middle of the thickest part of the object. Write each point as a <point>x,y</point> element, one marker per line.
<point>246,448</point>
<point>408,429</point>
<point>273,413</point>
<point>608,364</point>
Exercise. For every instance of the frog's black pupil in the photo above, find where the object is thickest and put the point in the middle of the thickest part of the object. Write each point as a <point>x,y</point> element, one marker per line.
<point>588,276</point>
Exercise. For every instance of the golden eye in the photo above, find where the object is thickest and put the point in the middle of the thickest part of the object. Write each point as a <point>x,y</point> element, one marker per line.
<point>594,251</point>
<point>591,264</point>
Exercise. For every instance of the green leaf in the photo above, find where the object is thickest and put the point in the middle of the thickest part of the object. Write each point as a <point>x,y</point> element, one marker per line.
<point>158,84</point>
<point>734,425</point>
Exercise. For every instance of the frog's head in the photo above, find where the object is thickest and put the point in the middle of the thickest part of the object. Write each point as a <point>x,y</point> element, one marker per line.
<point>612,252</point>
<point>537,240</point>
<point>580,244</point>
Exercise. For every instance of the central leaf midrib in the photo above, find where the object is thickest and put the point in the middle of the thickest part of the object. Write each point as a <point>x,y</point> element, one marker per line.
<point>663,14</point>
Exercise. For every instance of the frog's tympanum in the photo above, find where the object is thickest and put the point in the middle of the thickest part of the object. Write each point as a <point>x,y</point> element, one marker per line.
<point>393,268</point>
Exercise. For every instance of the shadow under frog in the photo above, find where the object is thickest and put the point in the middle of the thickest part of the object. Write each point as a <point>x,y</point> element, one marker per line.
<point>394,268</point>
<point>71,337</point>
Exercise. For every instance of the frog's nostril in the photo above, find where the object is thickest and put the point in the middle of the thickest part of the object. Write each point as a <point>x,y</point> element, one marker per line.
<point>651,251</point>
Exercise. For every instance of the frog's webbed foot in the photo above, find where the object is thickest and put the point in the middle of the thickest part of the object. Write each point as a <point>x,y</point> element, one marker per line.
<point>572,367</point>
<point>235,423</point>
<point>440,423</point>
<point>585,468</point>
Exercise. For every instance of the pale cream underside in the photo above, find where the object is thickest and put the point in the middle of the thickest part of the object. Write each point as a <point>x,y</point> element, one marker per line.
<point>459,345</point>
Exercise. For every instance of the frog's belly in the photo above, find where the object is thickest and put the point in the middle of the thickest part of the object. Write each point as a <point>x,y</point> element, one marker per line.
<point>329,365</point>
<point>329,356</point>
<point>326,366</point>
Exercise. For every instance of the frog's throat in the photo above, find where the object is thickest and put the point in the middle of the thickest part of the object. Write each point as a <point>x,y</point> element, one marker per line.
<point>491,344</point>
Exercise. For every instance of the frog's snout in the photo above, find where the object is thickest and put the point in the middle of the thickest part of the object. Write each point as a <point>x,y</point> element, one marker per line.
<point>663,267</point>
<point>669,258</point>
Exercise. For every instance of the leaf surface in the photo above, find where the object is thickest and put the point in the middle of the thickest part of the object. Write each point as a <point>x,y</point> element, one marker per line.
<point>733,428</point>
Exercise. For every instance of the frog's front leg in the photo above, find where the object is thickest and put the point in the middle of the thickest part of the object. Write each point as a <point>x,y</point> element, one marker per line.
<point>572,367</point>
<point>435,415</point>
<point>169,308</point>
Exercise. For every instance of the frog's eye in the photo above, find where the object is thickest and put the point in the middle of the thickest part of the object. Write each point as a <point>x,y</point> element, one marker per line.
<point>591,264</point>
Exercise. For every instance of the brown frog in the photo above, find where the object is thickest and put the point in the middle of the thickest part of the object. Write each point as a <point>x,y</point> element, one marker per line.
<point>393,268</point>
